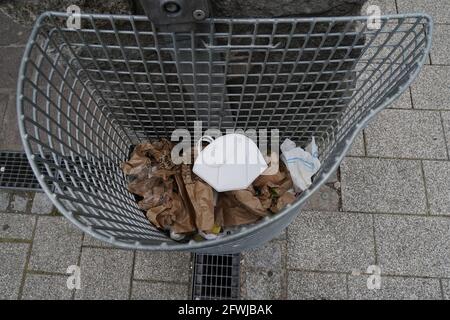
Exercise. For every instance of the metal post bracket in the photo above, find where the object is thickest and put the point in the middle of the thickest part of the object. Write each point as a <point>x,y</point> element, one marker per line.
<point>176,15</point>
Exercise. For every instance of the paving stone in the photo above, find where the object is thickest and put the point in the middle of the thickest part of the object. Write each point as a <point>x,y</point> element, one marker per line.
<point>414,246</point>
<point>386,6</point>
<point>16,226</point>
<point>406,134</point>
<point>316,286</point>
<point>9,132</point>
<point>46,287</point>
<point>105,274</point>
<point>12,32</point>
<point>4,100</point>
<point>446,122</point>
<point>334,177</point>
<point>162,266</point>
<point>403,102</point>
<point>262,285</point>
<point>9,64</point>
<point>91,241</point>
<point>357,148</point>
<point>268,257</point>
<point>12,257</point>
<point>330,241</point>
<point>437,179</point>
<point>41,204</point>
<point>4,200</point>
<point>282,235</point>
<point>382,185</point>
<point>19,202</point>
<point>441,45</point>
<point>446,288</point>
<point>143,290</point>
<point>438,9</point>
<point>324,199</point>
<point>429,89</point>
<point>395,288</point>
<point>56,245</point>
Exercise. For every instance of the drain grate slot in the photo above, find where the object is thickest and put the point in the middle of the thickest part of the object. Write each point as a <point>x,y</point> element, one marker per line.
<point>16,173</point>
<point>216,277</point>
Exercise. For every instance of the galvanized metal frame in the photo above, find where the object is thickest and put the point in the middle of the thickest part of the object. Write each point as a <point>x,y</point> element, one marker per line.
<point>84,96</point>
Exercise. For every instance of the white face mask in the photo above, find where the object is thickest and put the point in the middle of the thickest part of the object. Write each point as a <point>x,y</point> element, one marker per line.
<point>231,162</point>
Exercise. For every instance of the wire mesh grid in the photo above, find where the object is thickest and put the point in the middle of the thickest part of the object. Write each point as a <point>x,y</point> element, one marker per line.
<point>216,277</point>
<point>85,95</point>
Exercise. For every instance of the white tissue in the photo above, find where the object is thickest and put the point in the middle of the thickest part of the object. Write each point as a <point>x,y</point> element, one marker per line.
<point>302,165</point>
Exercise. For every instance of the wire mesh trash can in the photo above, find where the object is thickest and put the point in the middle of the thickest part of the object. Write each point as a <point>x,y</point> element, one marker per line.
<point>86,95</point>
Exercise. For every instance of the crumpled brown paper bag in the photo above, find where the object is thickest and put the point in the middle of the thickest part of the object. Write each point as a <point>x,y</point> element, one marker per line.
<point>268,194</point>
<point>201,197</point>
<point>175,198</point>
<point>164,207</point>
<point>230,212</point>
<point>172,215</point>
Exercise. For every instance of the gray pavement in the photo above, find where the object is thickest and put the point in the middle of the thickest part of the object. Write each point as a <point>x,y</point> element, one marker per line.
<point>389,206</point>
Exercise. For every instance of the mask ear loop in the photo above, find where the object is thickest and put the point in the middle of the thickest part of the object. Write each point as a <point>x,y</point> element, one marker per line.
<point>208,139</point>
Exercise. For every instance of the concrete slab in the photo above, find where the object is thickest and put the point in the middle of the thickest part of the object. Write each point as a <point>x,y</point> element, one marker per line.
<point>143,290</point>
<point>262,285</point>
<point>413,246</point>
<point>325,199</point>
<point>162,266</point>
<point>105,274</point>
<point>20,202</point>
<point>395,288</point>
<point>331,242</point>
<point>56,246</point>
<point>316,286</point>
<point>12,256</point>
<point>267,257</point>
<point>386,6</point>
<point>9,132</point>
<point>446,288</point>
<point>41,204</point>
<point>16,226</point>
<point>357,149</point>
<point>46,287</point>
<point>409,134</point>
<point>403,102</point>
<point>4,200</point>
<point>382,185</point>
<point>92,242</point>
<point>438,9</point>
<point>437,179</point>
<point>446,123</point>
<point>12,33</point>
<point>9,64</point>
<point>441,45</point>
<point>428,91</point>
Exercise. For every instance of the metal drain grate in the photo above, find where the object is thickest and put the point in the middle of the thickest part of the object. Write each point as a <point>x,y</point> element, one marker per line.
<point>16,173</point>
<point>216,277</point>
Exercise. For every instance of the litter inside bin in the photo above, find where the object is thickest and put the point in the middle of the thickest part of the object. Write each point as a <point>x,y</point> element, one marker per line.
<point>302,164</point>
<point>176,200</point>
<point>230,162</point>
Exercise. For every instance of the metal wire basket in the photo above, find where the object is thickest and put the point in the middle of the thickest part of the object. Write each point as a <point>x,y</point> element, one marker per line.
<point>86,95</point>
